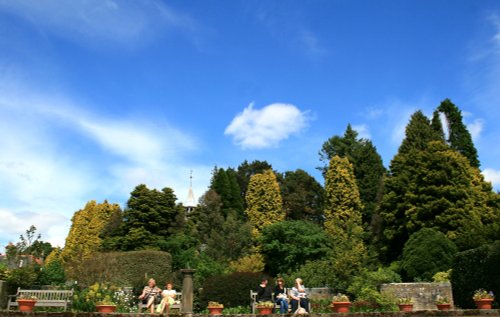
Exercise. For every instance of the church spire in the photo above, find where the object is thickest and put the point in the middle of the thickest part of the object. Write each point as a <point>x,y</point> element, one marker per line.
<point>191,202</point>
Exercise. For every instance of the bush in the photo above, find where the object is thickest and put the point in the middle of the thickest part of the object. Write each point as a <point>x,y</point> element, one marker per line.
<point>370,300</point>
<point>372,280</point>
<point>132,268</point>
<point>23,277</point>
<point>232,290</point>
<point>475,269</point>
<point>426,252</point>
<point>52,274</point>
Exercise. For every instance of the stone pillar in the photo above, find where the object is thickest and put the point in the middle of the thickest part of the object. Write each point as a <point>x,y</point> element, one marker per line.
<point>3,294</point>
<point>187,292</point>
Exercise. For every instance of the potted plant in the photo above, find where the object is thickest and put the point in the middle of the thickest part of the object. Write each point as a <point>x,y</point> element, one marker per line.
<point>26,302</point>
<point>405,304</point>
<point>265,308</point>
<point>443,303</point>
<point>215,308</point>
<point>483,299</point>
<point>341,303</point>
<point>106,305</point>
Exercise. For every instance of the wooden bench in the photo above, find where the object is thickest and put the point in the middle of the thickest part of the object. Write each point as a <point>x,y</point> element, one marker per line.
<point>176,305</point>
<point>253,303</point>
<point>45,298</point>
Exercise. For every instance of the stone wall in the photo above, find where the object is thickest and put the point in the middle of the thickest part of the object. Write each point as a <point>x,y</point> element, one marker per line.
<point>423,294</point>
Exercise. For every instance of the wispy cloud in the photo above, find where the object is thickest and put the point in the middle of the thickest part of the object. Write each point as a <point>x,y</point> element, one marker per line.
<point>105,21</point>
<point>475,128</point>
<point>310,43</point>
<point>363,131</point>
<point>266,127</point>
<point>492,176</point>
<point>56,156</point>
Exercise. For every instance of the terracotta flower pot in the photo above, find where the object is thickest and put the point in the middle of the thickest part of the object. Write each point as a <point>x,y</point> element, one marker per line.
<point>443,306</point>
<point>484,303</point>
<point>105,308</point>
<point>26,304</point>
<point>405,307</point>
<point>341,307</point>
<point>215,310</point>
<point>265,310</point>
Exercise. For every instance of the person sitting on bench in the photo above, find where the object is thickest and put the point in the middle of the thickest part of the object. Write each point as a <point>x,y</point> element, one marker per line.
<point>149,294</point>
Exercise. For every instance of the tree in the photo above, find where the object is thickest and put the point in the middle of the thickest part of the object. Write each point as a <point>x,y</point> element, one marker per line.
<point>84,235</point>
<point>459,137</point>
<point>287,245</point>
<point>264,204</point>
<point>150,217</point>
<point>427,252</point>
<point>343,219</point>
<point>433,186</point>
<point>302,195</point>
<point>367,164</point>
<point>418,134</point>
<point>246,170</point>
<point>225,184</point>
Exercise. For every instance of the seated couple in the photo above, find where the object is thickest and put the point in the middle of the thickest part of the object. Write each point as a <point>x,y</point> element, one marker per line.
<point>151,292</point>
<point>298,296</point>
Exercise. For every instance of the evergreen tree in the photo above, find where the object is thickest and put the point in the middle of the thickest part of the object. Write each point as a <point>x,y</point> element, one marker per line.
<point>84,235</point>
<point>418,134</point>
<point>225,183</point>
<point>459,137</point>
<point>246,170</point>
<point>435,187</point>
<point>367,163</point>
<point>343,220</point>
<point>150,217</point>
<point>264,203</point>
<point>303,196</point>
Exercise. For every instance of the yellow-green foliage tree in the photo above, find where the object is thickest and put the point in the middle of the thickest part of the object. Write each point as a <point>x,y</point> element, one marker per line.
<point>343,219</point>
<point>83,239</point>
<point>264,203</point>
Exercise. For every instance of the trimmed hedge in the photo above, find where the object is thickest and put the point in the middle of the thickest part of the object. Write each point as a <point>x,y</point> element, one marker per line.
<point>474,269</point>
<point>132,268</point>
<point>232,290</point>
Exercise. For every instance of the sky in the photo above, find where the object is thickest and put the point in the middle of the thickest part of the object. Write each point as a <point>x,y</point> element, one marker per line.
<point>99,96</point>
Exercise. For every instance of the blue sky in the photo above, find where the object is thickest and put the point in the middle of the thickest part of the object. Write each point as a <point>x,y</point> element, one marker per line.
<point>98,96</point>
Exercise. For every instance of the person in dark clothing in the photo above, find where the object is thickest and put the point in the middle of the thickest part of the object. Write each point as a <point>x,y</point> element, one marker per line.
<point>264,293</point>
<point>280,296</point>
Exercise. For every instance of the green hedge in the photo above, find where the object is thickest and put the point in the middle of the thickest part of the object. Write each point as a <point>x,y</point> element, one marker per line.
<point>232,290</point>
<point>132,268</point>
<point>474,269</point>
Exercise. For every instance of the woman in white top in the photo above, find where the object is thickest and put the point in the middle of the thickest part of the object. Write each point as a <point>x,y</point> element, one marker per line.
<point>298,295</point>
<point>168,299</point>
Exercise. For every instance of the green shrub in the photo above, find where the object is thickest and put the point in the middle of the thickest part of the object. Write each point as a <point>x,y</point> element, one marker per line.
<point>52,274</point>
<point>426,252</point>
<point>372,280</point>
<point>371,300</point>
<point>232,290</point>
<point>24,277</point>
<point>475,269</point>
<point>132,268</point>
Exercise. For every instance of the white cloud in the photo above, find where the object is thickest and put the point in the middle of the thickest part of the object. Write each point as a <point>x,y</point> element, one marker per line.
<point>363,131</point>
<point>101,20</point>
<point>266,127</point>
<point>475,128</point>
<point>310,43</point>
<point>493,176</point>
<point>56,156</point>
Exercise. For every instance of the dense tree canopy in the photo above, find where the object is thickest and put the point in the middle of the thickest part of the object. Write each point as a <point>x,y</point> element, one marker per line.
<point>264,203</point>
<point>367,166</point>
<point>302,195</point>
<point>430,185</point>
<point>287,245</point>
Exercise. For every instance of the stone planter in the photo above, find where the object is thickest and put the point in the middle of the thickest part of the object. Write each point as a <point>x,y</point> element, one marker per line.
<point>405,307</point>
<point>341,307</point>
<point>105,308</point>
<point>26,304</point>
<point>484,303</point>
